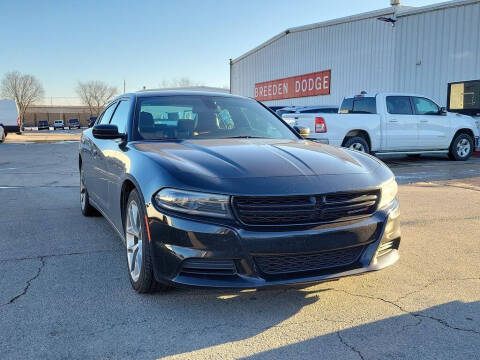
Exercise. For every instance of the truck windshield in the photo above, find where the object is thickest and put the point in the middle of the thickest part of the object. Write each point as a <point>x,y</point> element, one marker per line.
<point>205,117</point>
<point>360,105</point>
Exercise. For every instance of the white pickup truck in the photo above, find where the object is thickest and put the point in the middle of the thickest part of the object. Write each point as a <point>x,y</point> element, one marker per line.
<point>393,123</point>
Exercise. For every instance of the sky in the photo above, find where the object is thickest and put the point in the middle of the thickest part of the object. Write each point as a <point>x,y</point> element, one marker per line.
<point>145,42</point>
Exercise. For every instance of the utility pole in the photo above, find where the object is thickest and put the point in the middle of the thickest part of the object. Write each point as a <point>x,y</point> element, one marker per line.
<point>124,86</point>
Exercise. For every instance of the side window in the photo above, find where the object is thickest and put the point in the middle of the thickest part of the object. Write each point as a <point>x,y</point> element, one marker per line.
<point>360,105</point>
<point>120,117</point>
<point>425,106</point>
<point>399,105</point>
<point>366,105</point>
<point>107,114</point>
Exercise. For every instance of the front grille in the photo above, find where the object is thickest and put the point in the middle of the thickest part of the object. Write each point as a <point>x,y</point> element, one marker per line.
<point>199,266</point>
<point>273,265</point>
<point>304,209</point>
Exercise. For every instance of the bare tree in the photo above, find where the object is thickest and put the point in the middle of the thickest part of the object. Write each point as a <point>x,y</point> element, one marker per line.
<point>24,89</point>
<point>95,94</point>
<point>179,82</point>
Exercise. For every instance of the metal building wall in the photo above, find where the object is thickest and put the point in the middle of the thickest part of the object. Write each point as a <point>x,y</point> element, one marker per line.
<point>344,48</point>
<point>366,54</point>
<point>435,47</point>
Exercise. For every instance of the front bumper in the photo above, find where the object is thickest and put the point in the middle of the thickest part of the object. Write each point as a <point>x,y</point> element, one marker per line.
<point>177,241</point>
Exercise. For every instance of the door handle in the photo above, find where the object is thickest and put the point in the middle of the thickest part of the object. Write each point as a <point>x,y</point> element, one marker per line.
<point>393,120</point>
<point>423,121</point>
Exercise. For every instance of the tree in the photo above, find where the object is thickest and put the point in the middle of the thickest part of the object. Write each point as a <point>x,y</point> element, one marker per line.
<point>95,94</point>
<point>24,89</point>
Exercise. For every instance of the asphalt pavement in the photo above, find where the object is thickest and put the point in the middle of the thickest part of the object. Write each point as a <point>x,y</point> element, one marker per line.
<point>65,292</point>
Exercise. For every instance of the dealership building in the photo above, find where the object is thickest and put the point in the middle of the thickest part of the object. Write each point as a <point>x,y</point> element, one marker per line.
<point>399,49</point>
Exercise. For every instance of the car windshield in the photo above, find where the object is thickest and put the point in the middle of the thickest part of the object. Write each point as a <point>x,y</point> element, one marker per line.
<point>205,117</point>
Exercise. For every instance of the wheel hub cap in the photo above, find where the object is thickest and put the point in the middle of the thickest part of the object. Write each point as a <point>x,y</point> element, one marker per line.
<point>134,240</point>
<point>463,147</point>
<point>357,146</point>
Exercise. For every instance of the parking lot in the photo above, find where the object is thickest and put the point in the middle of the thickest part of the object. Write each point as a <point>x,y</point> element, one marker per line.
<point>65,292</point>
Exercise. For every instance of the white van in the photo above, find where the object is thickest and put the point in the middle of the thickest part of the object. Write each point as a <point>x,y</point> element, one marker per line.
<point>9,119</point>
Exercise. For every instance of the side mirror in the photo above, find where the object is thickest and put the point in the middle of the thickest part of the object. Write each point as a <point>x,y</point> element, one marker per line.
<point>443,110</point>
<point>304,132</point>
<point>106,131</point>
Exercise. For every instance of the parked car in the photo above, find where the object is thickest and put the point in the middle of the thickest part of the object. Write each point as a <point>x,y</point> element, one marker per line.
<point>286,110</point>
<point>9,119</point>
<point>73,124</point>
<point>58,124</point>
<point>393,123</point>
<point>43,124</point>
<point>276,107</point>
<point>315,109</point>
<point>91,121</point>
<point>229,196</point>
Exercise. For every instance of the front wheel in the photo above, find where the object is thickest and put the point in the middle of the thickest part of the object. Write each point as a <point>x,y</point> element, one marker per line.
<point>85,206</point>
<point>461,148</point>
<point>140,267</point>
<point>357,143</point>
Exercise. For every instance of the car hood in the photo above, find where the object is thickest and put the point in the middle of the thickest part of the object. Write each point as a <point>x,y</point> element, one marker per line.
<point>255,158</point>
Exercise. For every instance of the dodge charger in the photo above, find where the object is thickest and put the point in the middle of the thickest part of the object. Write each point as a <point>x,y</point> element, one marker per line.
<point>215,190</point>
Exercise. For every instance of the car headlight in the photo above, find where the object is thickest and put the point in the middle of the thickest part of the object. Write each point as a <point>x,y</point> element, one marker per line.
<point>194,203</point>
<point>388,193</point>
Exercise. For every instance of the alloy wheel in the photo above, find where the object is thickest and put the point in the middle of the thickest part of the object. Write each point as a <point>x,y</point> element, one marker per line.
<point>357,146</point>
<point>463,148</point>
<point>134,240</point>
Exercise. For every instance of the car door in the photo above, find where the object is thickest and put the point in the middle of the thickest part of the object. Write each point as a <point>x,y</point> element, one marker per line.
<point>401,125</point>
<point>97,187</point>
<point>116,161</point>
<point>434,127</point>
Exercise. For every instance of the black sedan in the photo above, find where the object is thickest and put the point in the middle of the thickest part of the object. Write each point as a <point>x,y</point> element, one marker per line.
<point>214,190</point>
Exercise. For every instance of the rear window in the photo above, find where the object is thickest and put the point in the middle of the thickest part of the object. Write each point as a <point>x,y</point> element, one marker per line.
<point>360,105</point>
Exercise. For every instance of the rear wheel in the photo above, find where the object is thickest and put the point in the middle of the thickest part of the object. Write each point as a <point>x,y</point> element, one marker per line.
<point>140,267</point>
<point>357,143</point>
<point>461,148</point>
<point>2,134</point>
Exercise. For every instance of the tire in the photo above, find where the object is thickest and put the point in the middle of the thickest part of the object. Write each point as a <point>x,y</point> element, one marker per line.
<point>357,143</point>
<point>3,135</point>
<point>85,206</point>
<point>137,247</point>
<point>461,147</point>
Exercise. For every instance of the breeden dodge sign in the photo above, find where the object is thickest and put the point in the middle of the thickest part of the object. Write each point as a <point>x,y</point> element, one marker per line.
<point>313,84</point>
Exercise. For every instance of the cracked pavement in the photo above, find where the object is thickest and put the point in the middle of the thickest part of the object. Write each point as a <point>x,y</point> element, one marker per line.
<point>65,291</point>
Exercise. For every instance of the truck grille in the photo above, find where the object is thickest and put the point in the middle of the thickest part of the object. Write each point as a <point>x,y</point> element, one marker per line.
<point>304,209</point>
<point>273,265</point>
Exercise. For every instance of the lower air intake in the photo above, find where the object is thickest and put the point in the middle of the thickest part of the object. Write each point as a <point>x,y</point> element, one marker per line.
<point>274,265</point>
<point>208,267</point>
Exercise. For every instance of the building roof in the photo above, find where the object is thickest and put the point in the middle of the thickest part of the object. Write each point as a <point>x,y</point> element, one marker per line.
<point>398,11</point>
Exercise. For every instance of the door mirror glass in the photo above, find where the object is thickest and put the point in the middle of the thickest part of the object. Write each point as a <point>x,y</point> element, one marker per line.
<point>106,131</point>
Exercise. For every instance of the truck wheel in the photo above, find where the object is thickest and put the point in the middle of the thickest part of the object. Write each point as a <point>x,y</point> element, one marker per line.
<point>357,143</point>
<point>2,135</point>
<point>461,148</point>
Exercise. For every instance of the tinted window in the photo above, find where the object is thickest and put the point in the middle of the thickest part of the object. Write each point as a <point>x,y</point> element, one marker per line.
<point>399,105</point>
<point>107,114</point>
<point>322,110</point>
<point>120,117</point>
<point>360,105</point>
<point>205,117</point>
<point>425,107</point>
